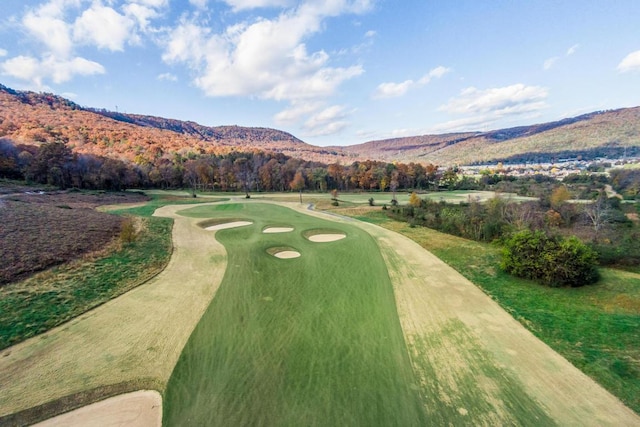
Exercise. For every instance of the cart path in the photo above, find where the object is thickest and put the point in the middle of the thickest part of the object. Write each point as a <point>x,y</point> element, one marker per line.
<point>135,337</point>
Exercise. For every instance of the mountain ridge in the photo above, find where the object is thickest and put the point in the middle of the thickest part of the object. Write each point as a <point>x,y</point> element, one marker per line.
<point>34,118</point>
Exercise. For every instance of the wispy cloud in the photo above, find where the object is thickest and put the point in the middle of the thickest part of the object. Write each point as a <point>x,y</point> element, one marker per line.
<point>168,77</point>
<point>631,62</point>
<point>549,63</point>
<point>484,107</point>
<point>329,121</point>
<point>392,90</point>
<point>573,49</point>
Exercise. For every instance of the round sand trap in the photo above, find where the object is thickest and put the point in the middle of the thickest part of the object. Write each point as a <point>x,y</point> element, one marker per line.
<point>287,254</point>
<point>140,408</point>
<point>226,225</point>
<point>277,230</point>
<point>326,237</point>
<point>283,252</point>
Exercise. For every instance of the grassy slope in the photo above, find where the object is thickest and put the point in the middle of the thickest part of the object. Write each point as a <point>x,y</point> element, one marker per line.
<point>313,340</point>
<point>50,298</point>
<point>594,327</point>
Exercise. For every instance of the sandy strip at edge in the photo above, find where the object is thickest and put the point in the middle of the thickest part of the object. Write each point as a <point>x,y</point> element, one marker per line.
<point>137,409</point>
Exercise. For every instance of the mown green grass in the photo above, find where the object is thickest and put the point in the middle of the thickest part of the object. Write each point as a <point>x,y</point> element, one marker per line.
<point>160,199</point>
<point>313,340</point>
<point>595,327</point>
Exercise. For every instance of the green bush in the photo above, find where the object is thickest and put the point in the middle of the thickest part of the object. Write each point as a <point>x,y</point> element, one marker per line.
<point>550,260</point>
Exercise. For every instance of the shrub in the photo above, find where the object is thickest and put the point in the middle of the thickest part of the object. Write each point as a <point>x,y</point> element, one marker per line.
<point>128,231</point>
<point>371,202</point>
<point>552,261</point>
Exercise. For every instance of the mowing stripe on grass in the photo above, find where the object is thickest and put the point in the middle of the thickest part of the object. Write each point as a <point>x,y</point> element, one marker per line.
<point>308,341</point>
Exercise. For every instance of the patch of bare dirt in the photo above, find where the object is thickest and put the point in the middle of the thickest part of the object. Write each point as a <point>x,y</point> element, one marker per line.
<point>38,231</point>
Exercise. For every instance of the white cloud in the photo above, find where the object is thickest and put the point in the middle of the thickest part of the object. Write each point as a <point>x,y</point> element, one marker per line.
<point>392,90</point>
<point>370,34</point>
<point>36,71</point>
<point>268,58</point>
<point>48,27</point>
<point>297,111</point>
<point>549,63</point>
<point>436,73</point>
<point>200,4</point>
<point>485,107</point>
<point>3,53</point>
<point>329,121</point>
<point>104,27</point>
<point>631,62</point>
<point>552,61</point>
<point>61,26</point>
<point>167,77</point>
<point>22,67</point>
<point>141,14</point>
<point>237,5</point>
<point>151,3</point>
<point>513,99</point>
<point>572,49</point>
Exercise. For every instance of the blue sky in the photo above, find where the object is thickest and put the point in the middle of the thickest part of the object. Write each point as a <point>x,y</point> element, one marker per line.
<point>331,72</point>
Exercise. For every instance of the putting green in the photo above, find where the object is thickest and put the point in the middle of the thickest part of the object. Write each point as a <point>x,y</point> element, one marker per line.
<point>305,341</point>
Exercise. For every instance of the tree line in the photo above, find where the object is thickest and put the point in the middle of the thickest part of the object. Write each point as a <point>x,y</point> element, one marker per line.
<point>54,163</point>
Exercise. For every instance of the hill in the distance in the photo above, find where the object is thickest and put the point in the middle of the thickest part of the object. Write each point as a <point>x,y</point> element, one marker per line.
<point>612,134</point>
<point>33,118</point>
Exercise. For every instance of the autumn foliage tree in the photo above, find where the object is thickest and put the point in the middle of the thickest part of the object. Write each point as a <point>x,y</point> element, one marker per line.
<point>298,183</point>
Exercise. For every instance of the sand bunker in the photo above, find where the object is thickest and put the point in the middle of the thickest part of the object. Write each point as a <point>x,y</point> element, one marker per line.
<point>140,408</point>
<point>283,252</point>
<point>287,254</point>
<point>226,225</point>
<point>325,237</point>
<point>277,230</point>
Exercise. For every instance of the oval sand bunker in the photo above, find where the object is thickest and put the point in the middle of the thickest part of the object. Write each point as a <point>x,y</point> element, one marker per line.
<point>325,237</point>
<point>269,230</point>
<point>283,252</point>
<point>226,225</point>
<point>287,254</point>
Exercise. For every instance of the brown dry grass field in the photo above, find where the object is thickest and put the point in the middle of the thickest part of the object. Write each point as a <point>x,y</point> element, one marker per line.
<point>38,231</point>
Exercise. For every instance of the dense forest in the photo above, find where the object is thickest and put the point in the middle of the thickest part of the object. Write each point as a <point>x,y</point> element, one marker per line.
<point>56,164</point>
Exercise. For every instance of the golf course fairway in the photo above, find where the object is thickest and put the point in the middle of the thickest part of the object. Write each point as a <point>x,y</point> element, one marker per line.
<point>305,341</point>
